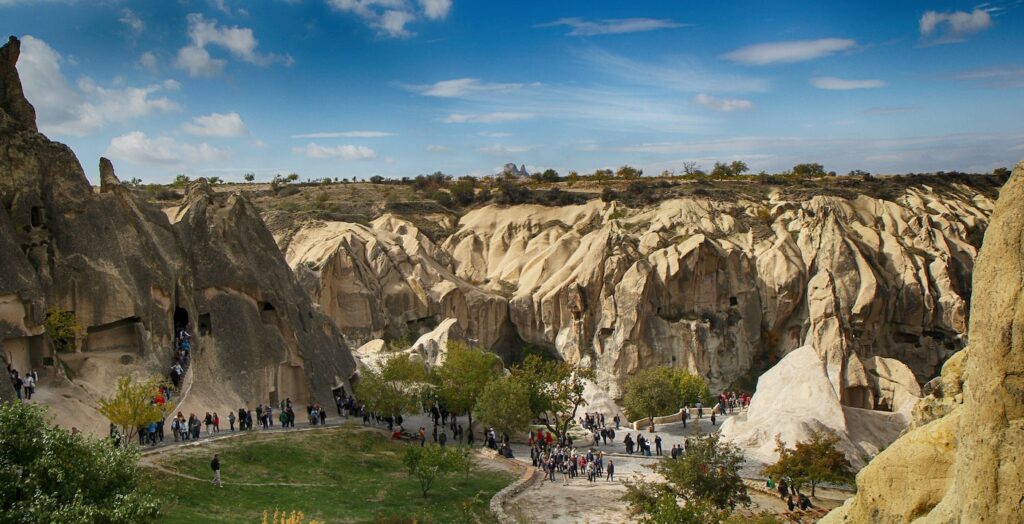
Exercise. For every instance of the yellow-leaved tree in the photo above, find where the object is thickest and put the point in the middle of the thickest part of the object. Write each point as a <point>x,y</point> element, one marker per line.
<point>133,405</point>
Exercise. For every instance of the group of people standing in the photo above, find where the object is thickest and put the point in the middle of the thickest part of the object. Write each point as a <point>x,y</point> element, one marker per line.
<point>24,386</point>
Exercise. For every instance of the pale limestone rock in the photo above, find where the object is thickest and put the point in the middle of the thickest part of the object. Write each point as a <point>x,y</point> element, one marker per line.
<point>962,460</point>
<point>797,396</point>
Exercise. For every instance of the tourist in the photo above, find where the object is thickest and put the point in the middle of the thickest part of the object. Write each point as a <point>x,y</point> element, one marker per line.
<point>231,420</point>
<point>208,421</point>
<point>700,411</point>
<point>29,385</point>
<point>611,470</point>
<point>442,439</point>
<point>790,503</point>
<point>712,418</point>
<point>657,444</point>
<point>216,422</point>
<point>17,382</point>
<point>617,420</point>
<point>628,441</point>
<point>215,466</point>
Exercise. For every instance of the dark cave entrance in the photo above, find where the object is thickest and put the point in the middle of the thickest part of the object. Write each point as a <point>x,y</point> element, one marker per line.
<point>180,319</point>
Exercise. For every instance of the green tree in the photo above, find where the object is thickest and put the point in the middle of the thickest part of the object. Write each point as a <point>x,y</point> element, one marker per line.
<point>809,170</point>
<point>691,388</point>
<point>132,406</point>
<point>398,387</point>
<point>1001,171</point>
<point>376,179</point>
<point>462,377</point>
<point>629,173</point>
<point>812,461</point>
<point>463,192</point>
<point>249,177</point>
<point>292,177</point>
<point>50,475</point>
<point>650,392</point>
<point>549,175</point>
<point>214,180</point>
<point>505,405</point>
<point>555,390</point>
<point>429,463</point>
<point>738,167</point>
<point>721,170</point>
<point>63,329</point>
<point>181,180</point>
<point>709,471</point>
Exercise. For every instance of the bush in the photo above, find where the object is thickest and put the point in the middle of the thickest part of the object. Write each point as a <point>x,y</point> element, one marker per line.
<point>428,463</point>
<point>50,475</point>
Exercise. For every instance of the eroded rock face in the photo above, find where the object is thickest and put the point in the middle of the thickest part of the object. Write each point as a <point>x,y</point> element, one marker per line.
<point>961,462</point>
<point>721,288</point>
<point>375,281</point>
<point>129,275</point>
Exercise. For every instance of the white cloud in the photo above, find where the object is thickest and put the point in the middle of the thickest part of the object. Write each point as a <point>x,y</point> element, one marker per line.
<point>613,26</point>
<point>787,52</point>
<point>137,148</point>
<point>80,110</point>
<point>505,150</point>
<point>217,124</point>
<point>726,105</point>
<point>434,148</point>
<point>842,84</point>
<point>436,9</point>
<point>389,17</point>
<point>198,62</point>
<point>461,87</point>
<point>240,42</point>
<point>346,134</point>
<point>678,74</point>
<point>148,61</point>
<point>996,77</point>
<point>495,134</point>
<point>953,26</point>
<point>486,118</point>
<point>132,21</point>
<point>344,152</point>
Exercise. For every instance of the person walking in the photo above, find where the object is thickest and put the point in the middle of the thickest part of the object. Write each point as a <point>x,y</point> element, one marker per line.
<point>611,470</point>
<point>215,466</point>
<point>231,420</point>
<point>657,444</point>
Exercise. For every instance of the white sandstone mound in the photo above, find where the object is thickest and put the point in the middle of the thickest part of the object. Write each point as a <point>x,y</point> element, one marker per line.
<point>796,397</point>
<point>430,348</point>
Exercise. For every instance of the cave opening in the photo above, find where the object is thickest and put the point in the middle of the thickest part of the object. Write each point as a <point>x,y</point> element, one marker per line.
<point>180,319</point>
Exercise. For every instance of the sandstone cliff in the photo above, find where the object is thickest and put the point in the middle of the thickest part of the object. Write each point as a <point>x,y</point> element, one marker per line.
<point>724,287</point>
<point>961,462</point>
<point>130,275</point>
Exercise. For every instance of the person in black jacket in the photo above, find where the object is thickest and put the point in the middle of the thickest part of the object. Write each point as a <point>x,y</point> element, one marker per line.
<point>215,466</point>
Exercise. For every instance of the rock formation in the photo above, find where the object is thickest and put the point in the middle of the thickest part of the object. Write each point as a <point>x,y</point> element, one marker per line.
<point>129,274</point>
<point>376,281</point>
<point>722,287</point>
<point>961,462</point>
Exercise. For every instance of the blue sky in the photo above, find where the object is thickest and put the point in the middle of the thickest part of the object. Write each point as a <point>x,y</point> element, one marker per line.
<point>343,88</point>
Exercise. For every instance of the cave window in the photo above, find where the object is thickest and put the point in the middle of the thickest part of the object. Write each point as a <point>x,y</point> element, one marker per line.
<point>180,319</point>
<point>205,325</point>
<point>733,301</point>
<point>37,216</point>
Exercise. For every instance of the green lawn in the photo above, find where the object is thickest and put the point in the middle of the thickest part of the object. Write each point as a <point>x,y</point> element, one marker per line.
<point>352,475</point>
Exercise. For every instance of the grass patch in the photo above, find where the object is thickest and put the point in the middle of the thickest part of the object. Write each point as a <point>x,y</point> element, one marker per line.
<point>335,475</point>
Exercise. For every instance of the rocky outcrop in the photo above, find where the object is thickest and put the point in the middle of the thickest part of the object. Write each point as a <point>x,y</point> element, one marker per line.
<point>961,462</point>
<point>722,287</point>
<point>431,348</point>
<point>129,275</point>
<point>384,279</point>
